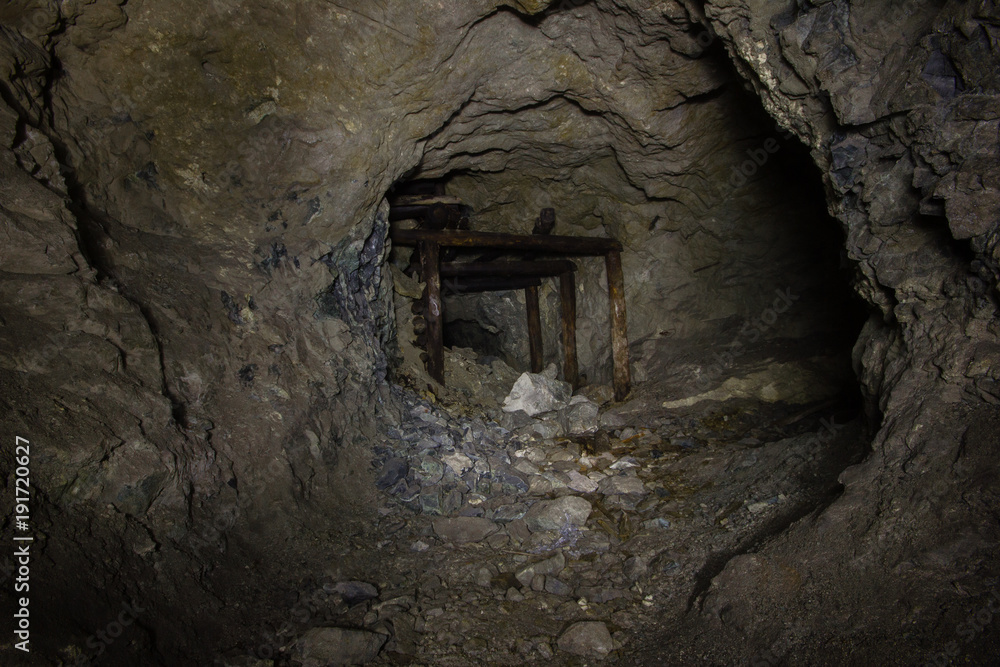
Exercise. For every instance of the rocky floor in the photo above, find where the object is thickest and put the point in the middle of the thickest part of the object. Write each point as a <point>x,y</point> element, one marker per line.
<point>526,545</point>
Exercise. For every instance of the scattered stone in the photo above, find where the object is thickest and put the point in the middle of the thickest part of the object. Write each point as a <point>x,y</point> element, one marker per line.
<point>622,485</point>
<point>557,587</point>
<point>587,639</point>
<point>624,463</point>
<point>526,467</point>
<point>534,454</point>
<point>544,430</point>
<point>458,462</point>
<point>511,482</point>
<point>453,502</point>
<point>599,594</point>
<point>580,417</point>
<point>320,647</point>
<point>602,442</point>
<point>636,568</point>
<point>355,592</point>
<point>683,443</point>
<point>509,513</point>
<point>568,511</point>
<point>536,393</point>
<point>512,421</point>
<point>430,472</point>
<point>601,394</point>
<point>539,486</point>
<point>611,421</point>
<point>430,502</point>
<point>581,483</point>
<point>518,531</point>
<point>548,566</point>
<point>395,469</point>
<point>484,577</point>
<point>658,523</point>
<point>463,529</point>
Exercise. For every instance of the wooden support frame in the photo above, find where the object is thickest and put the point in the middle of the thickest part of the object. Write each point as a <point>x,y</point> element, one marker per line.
<point>469,285</point>
<point>560,245</point>
<point>567,299</point>
<point>541,269</point>
<point>430,243</point>
<point>430,259</point>
<point>534,329</point>
<point>619,335</point>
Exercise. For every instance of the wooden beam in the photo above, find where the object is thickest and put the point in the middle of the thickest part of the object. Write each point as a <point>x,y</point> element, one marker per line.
<point>434,312</point>
<point>565,245</point>
<point>567,296</point>
<point>619,326</point>
<point>534,329</point>
<point>487,284</point>
<point>540,268</point>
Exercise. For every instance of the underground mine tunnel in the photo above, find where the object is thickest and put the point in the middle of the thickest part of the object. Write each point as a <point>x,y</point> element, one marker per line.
<point>573,332</point>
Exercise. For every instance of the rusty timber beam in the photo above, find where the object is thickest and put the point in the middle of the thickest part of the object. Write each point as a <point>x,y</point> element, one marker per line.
<point>564,245</point>
<point>457,285</point>
<point>539,268</point>
<point>619,335</point>
<point>534,329</point>
<point>567,298</point>
<point>430,259</point>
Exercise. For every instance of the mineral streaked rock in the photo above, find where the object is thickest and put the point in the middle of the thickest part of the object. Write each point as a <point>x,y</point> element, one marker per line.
<point>565,512</point>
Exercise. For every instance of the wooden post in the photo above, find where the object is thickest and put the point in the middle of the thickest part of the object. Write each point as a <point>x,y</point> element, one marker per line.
<point>429,258</point>
<point>567,295</point>
<point>619,327</point>
<point>534,328</point>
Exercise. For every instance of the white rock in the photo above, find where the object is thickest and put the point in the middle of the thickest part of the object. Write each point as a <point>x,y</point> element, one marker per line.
<point>568,511</point>
<point>458,462</point>
<point>535,393</point>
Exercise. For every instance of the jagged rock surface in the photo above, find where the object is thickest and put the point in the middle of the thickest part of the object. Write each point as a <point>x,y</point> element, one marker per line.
<point>197,318</point>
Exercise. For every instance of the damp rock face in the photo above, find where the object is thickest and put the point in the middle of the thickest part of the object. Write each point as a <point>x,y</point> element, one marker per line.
<point>198,325</point>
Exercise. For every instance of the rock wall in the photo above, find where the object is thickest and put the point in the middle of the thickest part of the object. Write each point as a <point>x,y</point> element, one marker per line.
<point>196,303</point>
<point>898,104</point>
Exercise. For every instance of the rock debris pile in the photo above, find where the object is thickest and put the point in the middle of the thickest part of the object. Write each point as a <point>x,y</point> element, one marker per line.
<point>510,545</point>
